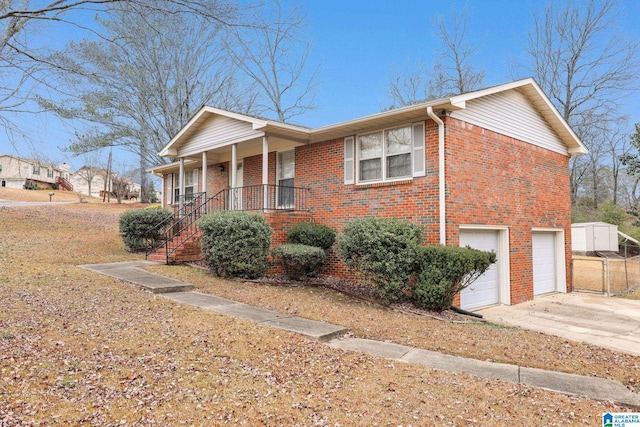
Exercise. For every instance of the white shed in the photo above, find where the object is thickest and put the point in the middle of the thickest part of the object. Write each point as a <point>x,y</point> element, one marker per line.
<point>589,237</point>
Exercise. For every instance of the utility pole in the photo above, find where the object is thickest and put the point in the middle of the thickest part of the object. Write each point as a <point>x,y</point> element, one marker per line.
<point>107,178</point>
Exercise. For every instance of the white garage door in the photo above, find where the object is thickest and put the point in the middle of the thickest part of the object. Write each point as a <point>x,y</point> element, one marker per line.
<point>544,263</point>
<point>484,291</point>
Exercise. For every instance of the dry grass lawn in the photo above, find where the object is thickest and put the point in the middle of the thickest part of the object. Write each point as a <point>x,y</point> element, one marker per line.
<point>78,348</point>
<point>43,196</point>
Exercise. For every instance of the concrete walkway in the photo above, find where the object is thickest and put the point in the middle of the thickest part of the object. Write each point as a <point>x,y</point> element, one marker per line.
<point>593,388</point>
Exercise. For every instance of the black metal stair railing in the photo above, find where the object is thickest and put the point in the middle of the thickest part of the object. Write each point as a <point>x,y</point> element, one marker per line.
<point>165,231</point>
<point>179,228</point>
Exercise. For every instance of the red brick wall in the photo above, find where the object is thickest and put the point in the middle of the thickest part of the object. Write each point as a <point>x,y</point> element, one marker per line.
<point>321,168</point>
<point>493,179</point>
<point>217,180</point>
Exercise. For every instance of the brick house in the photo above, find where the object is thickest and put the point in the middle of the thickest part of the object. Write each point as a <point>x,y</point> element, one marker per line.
<point>489,169</point>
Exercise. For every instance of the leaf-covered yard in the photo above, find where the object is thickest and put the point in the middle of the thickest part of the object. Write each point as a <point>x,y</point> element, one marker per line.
<point>79,348</point>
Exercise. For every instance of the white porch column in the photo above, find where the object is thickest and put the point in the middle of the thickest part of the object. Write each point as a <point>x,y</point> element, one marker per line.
<point>234,165</point>
<point>233,195</point>
<point>181,186</point>
<point>204,173</point>
<point>265,171</point>
<point>203,188</point>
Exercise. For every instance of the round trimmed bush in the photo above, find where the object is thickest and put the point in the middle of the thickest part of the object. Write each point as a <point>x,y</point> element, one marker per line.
<point>443,271</point>
<point>235,243</point>
<point>383,251</point>
<point>300,261</point>
<point>311,234</point>
<point>138,228</point>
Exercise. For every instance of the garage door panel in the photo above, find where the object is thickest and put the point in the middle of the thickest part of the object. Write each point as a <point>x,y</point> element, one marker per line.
<point>544,263</point>
<point>485,289</point>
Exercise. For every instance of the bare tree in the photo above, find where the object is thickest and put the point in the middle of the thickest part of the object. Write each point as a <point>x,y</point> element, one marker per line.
<point>581,62</point>
<point>585,66</point>
<point>26,61</point>
<point>453,73</point>
<point>138,89</point>
<point>274,54</point>
<point>88,173</point>
<point>408,86</point>
<point>617,146</point>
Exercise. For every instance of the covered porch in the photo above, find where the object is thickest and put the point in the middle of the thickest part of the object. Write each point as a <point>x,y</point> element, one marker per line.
<point>229,161</point>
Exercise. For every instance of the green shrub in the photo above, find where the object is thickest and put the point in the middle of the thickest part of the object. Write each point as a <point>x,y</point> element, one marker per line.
<point>30,185</point>
<point>311,234</point>
<point>443,271</point>
<point>137,228</point>
<point>299,261</point>
<point>383,251</point>
<point>236,244</point>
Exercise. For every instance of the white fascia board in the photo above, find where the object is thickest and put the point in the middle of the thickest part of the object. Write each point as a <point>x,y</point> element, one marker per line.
<point>169,166</point>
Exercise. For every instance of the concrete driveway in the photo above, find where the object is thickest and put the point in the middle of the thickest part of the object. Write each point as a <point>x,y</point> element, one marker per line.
<point>608,322</point>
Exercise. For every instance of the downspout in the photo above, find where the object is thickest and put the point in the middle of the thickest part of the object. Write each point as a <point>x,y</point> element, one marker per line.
<point>441,182</point>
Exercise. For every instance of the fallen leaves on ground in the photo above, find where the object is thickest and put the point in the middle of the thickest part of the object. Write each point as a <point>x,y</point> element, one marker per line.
<point>78,348</point>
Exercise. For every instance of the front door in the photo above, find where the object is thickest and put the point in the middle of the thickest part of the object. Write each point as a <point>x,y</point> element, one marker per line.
<point>236,193</point>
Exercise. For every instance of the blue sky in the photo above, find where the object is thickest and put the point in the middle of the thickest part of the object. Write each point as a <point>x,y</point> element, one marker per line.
<point>358,42</point>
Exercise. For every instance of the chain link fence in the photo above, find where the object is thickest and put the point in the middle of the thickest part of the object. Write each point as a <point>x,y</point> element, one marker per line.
<point>609,276</point>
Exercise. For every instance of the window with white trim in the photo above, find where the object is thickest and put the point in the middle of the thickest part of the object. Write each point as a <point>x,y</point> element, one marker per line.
<point>286,172</point>
<point>36,169</point>
<point>49,173</point>
<point>190,185</point>
<point>386,155</point>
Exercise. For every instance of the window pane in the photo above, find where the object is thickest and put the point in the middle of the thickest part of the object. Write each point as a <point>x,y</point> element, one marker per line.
<point>188,178</point>
<point>398,140</point>
<point>370,145</point>
<point>285,192</point>
<point>286,164</point>
<point>398,166</point>
<point>370,169</point>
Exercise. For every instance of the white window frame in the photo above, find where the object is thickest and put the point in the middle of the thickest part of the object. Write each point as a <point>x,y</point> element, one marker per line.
<point>280,177</point>
<point>416,148</point>
<point>190,178</point>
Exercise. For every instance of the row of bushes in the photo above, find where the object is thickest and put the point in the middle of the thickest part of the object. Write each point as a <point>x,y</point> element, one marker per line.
<point>387,253</point>
<point>390,255</point>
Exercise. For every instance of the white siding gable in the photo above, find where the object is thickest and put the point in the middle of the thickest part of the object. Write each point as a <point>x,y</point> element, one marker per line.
<point>215,132</point>
<point>510,113</point>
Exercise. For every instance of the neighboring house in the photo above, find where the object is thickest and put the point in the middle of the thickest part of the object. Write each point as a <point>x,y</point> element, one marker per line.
<point>16,172</point>
<point>489,169</point>
<point>90,180</point>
